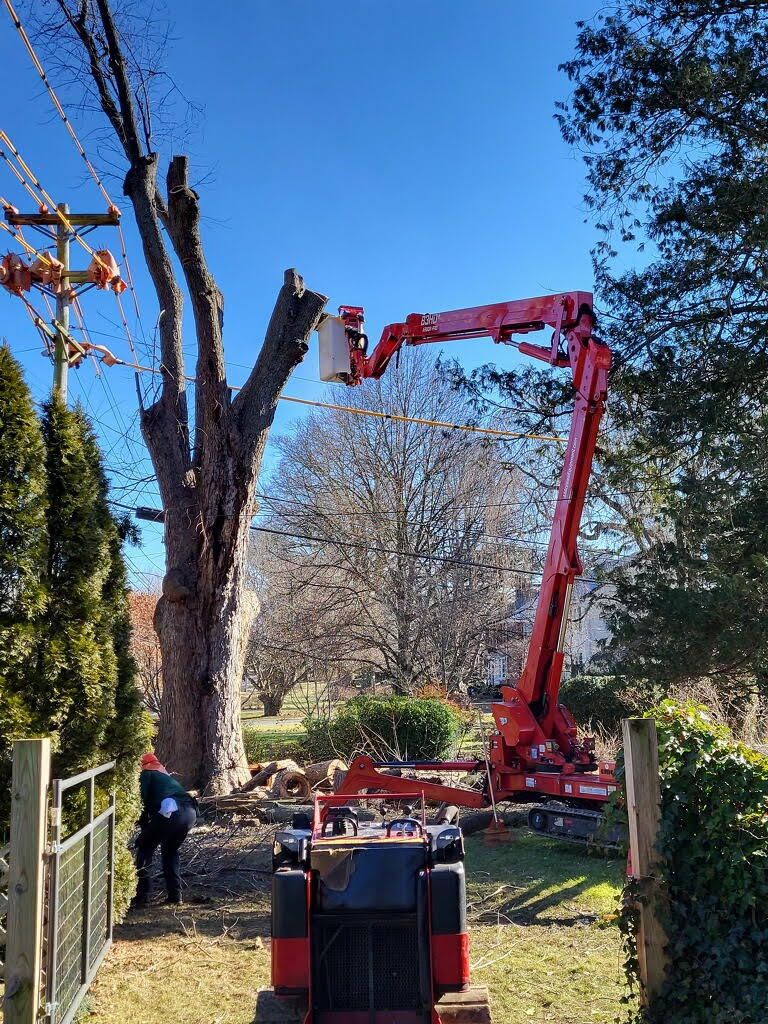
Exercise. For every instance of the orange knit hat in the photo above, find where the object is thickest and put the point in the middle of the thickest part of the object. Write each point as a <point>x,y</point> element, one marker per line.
<point>149,763</point>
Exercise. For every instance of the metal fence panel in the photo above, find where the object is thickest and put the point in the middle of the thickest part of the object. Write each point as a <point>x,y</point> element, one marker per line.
<point>80,888</point>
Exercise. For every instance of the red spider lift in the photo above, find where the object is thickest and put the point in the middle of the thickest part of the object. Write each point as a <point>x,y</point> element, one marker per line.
<point>535,754</point>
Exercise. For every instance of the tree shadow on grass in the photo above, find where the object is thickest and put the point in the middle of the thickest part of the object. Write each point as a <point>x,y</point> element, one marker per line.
<point>536,881</point>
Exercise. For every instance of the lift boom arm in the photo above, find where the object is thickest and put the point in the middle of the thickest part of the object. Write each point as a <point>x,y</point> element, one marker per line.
<point>535,732</point>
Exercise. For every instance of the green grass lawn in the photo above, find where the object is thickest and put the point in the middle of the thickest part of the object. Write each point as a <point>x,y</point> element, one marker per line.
<point>534,908</point>
<point>537,934</point>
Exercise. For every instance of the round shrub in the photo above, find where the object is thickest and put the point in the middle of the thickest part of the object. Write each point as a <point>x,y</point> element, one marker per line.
<point>390,727</point>
<point>597,699</point>
<point>261,747</point>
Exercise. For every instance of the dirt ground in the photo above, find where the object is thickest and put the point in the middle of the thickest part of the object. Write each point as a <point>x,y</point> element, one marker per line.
<point>540,935</point>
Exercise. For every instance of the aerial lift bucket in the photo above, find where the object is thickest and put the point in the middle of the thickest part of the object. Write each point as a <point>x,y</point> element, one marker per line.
<point>335,364</point>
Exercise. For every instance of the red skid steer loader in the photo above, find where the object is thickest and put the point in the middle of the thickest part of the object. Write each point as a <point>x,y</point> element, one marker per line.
<point>369,922</point>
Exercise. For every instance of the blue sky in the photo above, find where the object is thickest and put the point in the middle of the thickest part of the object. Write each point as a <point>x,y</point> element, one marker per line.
<point>402,155</point>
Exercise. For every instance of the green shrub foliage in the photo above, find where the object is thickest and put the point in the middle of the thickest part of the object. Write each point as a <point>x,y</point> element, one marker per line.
<point>713,840</point>
<point>261,747</point>
<point>65,664</point>
<point>404,728</point>
<point>600,700</point>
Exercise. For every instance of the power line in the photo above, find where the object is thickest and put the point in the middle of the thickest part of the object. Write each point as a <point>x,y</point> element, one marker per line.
<point>310,507</point>
<point>394,551</point>
<point>155,515</point>
<point>81,150</point>
<point>370,412</point>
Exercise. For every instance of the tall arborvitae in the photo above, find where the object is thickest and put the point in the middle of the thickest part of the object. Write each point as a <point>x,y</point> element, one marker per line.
<point>65,664</point>
<point>23,544</point>
<point>86,674</point>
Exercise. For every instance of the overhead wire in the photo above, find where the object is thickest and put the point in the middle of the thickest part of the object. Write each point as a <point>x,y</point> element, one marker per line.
<point>78,145</point>
<point>41,71</point>
<point>43,256</point>
<point>371,412</point>
<point>16,172</point>
<point>480,506</point>
<point>405,554</point>
<point>31,250</point>
<point>54,209</point>
<point>379,549</point>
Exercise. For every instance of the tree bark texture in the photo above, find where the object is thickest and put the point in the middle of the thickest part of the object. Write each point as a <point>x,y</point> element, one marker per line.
<point>208,513</point>
<point>207,487</point>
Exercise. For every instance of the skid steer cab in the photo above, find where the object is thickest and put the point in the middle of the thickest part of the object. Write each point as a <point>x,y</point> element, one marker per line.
<point>369,921</point>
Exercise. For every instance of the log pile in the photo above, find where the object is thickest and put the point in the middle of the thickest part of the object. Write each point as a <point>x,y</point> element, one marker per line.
<point>281,788</point>
<point>282,780</point>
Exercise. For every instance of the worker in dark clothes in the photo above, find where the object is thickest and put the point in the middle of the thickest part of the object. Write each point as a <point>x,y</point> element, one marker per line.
<point>168,814</point>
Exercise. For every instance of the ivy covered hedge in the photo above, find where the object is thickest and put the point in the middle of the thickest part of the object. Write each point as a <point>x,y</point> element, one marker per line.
<point>406,728</point>
<point>713,840</point>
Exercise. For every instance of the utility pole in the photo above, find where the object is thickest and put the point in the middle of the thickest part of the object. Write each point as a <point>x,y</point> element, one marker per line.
<point>61,353</point>
<point>65,228</point>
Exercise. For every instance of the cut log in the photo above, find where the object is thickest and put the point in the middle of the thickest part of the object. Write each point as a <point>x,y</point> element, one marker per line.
<point>475,821</point>
<point>291,784</point>
<point>324,771</point>
<point>260,777</point>
<point>265,773</point>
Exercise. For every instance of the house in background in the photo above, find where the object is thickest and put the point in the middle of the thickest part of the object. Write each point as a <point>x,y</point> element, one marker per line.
<point>507,645</point>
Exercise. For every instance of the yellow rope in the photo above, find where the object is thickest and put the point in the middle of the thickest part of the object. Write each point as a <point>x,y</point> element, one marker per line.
<point>379,415</point>
<point>426,423</point>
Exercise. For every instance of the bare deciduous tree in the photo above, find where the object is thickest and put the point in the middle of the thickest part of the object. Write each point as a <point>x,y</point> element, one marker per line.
<point>145,647</point>
<point>398,527</point>
<point>207,484</point>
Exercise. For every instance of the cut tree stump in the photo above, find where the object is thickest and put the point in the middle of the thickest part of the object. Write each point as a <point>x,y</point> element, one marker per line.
<point>469,1007</point>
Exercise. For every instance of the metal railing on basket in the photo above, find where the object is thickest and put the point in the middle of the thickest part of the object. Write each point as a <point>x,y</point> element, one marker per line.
<point>80,892</point>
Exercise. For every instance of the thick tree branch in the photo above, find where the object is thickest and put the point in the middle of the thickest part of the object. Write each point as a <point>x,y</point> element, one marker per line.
<point>165,425</point>
<point>184,228</point>
<point>79,23</point>
<point>131,141</point>
<point>296,314</point>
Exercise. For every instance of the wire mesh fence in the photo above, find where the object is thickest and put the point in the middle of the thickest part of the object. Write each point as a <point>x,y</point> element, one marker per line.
<point>79,905</point>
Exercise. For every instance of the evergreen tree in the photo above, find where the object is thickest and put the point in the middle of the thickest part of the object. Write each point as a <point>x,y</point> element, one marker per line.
<point>670,109</point>
<point>86,674</point>
<point>65,663</point>
<point>23,544</point>
<point>670,104</point>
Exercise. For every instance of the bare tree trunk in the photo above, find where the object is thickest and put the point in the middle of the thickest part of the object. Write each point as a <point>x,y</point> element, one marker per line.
<point>207,490</point>
<point>272,704</point>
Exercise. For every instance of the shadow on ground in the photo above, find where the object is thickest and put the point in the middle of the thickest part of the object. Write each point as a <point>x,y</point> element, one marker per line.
<point>538,881</point>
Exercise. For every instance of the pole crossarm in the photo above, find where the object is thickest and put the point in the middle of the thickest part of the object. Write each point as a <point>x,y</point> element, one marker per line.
<point>57,276</point>
<point>51,220</point>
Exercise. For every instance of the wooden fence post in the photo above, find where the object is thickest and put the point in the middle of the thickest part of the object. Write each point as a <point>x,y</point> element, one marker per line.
<point>31,775</point>
<point>641,761</point>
